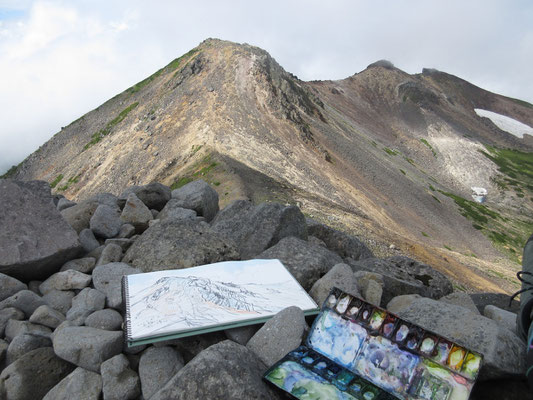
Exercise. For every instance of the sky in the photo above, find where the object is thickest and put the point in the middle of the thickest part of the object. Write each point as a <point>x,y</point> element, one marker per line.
<point>61,59</point>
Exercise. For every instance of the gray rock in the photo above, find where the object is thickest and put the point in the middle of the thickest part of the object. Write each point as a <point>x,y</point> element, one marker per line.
<point>255,229</point>
<point>154,195</point>
<point>341,276</point>
<point>155,213</point>
<point>189,347</point>
<point>126,231</point>
<point>198,196</point>
<point>136,213</point>
<point>403,275</point>
<point>59,300</point>
<point>79,216</point>
<point>85,303</point>
<point>371,286</point>
<point>174,211</point>
<point>34,240</point>
<point>112,253</point>
<point>341,243</point>
<point>47,316</point>
<point>96,253</point>
<point>9,313</point>
<point>80,385</point>
<point>505,319</point>
<point>9,286</point>
<point>279,335</point>
<point>156,366</point>
<point>87,347</point>
<point>107,319</point>
<point>119,381</point>
<point>402,302</point>
<point>461,299</point>
<point>88,240</point>
<point>503,351</point>
<point>123,243</point>
<point>18,381</point>
<point>64,203</point>
<point>306,262</point>
<point>178,244</point>
<point>34,287</point>
<point>3,351</point>
<point>243,334</point>
<point>24,300</point>
<point>500,300</point>
<point>106,221</point>
<point>108,199</point>
<point>207,376</point>
<point>107,279</point>
<point>66,280</point>
<point>15,327</point>
<point>83,265</point>
<point>24,343</point>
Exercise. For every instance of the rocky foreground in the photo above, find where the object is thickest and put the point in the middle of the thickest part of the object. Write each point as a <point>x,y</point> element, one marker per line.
<point>61,306</point>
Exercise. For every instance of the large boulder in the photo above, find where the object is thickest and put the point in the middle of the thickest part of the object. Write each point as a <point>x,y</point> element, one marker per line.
<point>24,300</point>
<point>174,211</point>
<point>136,213</point>
<point>255,229</point>
<point>9,286</point>
<point>340,276</point>
<point>24,343</point>
<point>27,379</point>
<point>87,347</point>
<point>225,370</point>
<point>344,245</point>
<point>85,303</point>
<point>107,279</point>
<point>403,275</point>
<point>156,366</point>
<point>503,351</point>
<point>106,221</point>
<point>34,240</point>
<point>178,244</point>
<point>119,381</point>
<point>79,216</point>
<point>154,195</point>
<point>305,261</point>
<point>65,280</point>
<point>80,385</point>
<point>197,196</point>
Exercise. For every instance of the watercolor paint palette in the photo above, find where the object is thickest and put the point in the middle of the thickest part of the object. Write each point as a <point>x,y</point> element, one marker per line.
<point>355,350</point>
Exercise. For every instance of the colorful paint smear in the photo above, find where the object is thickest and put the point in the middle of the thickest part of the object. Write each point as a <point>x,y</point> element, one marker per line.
<point>471,365</point>
<point>377,318</point>
<point>442,351</point>
<point>387,329</point>
<point>456,357</point>
<point>342,305</point>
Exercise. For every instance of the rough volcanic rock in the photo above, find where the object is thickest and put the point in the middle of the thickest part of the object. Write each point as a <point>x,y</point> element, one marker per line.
<point>64,203</point>
<point>9,313</point>
<point>24,343</point>
<point>197,196</point>
<point>136,213</point>
<point>34,240</point>
<point>403,275</point>
<point>156,366</point>
<point>66,280</point>
<point>80,384</point>
<point>25,300</point>
<point>225,370</point>
<point>119,381</point>
<point>18,381</point>
<point>84,265</point>
<point>460,299</point>
<point>9,286</point>
<point>154,195</point>
<point>306,262</point>
<point>47,316</point>
<point>79,216</point>
<point>341,276</point>
<point>15,327</point>
<point>88,241</point>
<point>106,221</point>
<point>504,318</point>
<point>107,279</point>
<point>111,253</point>
<point>178,244</point>
<point>87,347</point>
<point>174,211</point>
<point>85,303</point>
<point>107,319</point>
<point>339,242</point>
<point>59,300</point>
<point>255,229</point>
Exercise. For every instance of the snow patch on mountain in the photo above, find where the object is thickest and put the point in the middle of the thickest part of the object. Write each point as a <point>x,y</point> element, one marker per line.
<point>505,123</point>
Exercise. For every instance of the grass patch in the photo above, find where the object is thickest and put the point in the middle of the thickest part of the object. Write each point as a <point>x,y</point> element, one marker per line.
<point>475,212</point>
<point>448,248</point>
<point>96,137</point>
<point>391,152</point>
<point>425,234</point>
<point>181,182</point>
<point>410,161</point>
<point>429,146</point>
<point>403,172</point>
<point>435,198</point>
<point>71,180</point>
<point>195,149</point>
<point>517,165</point>
<point>431,188</point>
<point>54,183</point>
<point>374,143</point>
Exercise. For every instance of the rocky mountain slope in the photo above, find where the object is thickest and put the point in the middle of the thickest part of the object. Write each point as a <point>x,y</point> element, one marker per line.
<point>382,154</point>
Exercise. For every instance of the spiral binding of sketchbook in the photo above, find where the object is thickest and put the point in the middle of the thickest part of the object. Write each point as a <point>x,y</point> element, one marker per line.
<point>171,304</point>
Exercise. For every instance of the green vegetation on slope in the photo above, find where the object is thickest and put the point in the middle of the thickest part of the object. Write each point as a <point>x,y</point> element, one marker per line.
<point>516,165</point>
<point>10,172</point>
<point>200,170</point>
<point>96,137</point>
<point>54,183</point>
<point>71,180</point>
<point>430,146</point>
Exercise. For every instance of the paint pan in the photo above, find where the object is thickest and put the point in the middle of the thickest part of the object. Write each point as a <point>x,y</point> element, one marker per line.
<point>377,318</point>
<point>332,370</point>
<point>428,343</point>
<point>353,309</point>
<point>299,352</point>
<point>471,365</point>
<point>442,350</point>
<point>414,337</point>
<point>387,329</point>
<point>342,304</point>
<point>456,357</point>
<point>365,313</point>
<point>343,379</point>
<point>332,299</point>
<point>402,330</point>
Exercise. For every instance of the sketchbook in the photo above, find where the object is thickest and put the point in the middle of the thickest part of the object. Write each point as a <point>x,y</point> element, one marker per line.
<point>171,304</point>
<point>357,351</point>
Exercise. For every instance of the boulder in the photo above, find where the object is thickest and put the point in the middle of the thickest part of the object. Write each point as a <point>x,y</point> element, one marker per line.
<point>401,302</point>
<point>156,366</point>
<point>25,300</point>
<point>80,384</point>
<point>505,319</point>
<point>189,347</point>
<point>279,335</point>
<point>255,229</point>
<point>85,303</point>
<point>34,287</point>
<point>9,313</point>
<point>83,265</point>
<point>178,244</point>
<point>119,381</point>
<point>34,240</point>
<point>24,343</point>
<point>79,216</point>
<point>123,243</point>
<point>108,199</point>
<point>47,316</point>
<point>112,253</point>
<point>344,245</point>
<point>87,347</point>
<point>26,379</point>
<point>107,319</point>
<point>106,221</point>
<point>503,351</point>
<point>136,213</point>
<point>66,280</point>
<point>64,203</point>
<point>500,300</point>
<point>306,262</point>
<point>3,351</point>
<point>9,286</point>
<point>15,327</point>
<point>59,300</point>
<point>225,370</point>
<point>341,276</point>
<point>403,275</point>
<point>154,195</point>
<point>174,211</point>
<point>126,231</point>
<point>197,196</point>
<point>88,240</point>
<point>461,299</point>
<point>107,279</point>
<point>243,334</point>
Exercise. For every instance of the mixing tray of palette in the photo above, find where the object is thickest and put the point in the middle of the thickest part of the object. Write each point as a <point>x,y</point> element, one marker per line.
<point>359,351</point>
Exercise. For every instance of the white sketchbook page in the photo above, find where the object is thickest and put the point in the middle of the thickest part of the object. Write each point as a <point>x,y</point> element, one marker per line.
<point>171,301</point>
